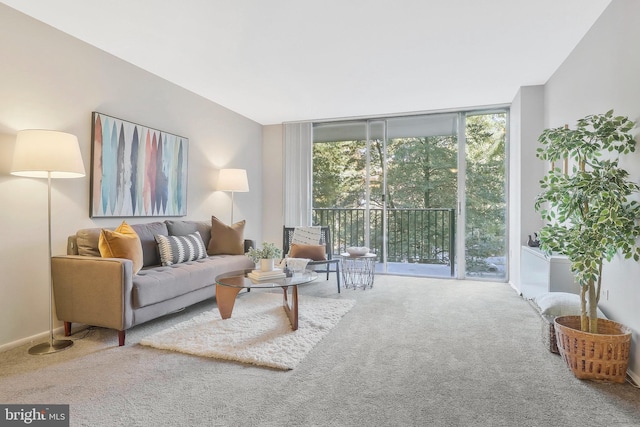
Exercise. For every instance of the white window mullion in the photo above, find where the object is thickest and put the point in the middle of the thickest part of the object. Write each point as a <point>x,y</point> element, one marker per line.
<point>461,213</point>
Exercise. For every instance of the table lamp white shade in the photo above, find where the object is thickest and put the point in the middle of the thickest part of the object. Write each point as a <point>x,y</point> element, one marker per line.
<point>233,180</point>
<point>38,153</point>
<point>47,154</point>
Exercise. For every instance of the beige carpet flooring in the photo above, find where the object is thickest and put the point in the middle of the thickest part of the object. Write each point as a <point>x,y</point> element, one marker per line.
<point>411,352</point>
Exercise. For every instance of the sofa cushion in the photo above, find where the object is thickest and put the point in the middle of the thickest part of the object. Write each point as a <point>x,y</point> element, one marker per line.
<point>157,284</point>
<point>87,241</point>
<point>147,233</point>
<point>225,239</point>
<point>183,228</point>
<point>123,242</point>
<point>177,249</point>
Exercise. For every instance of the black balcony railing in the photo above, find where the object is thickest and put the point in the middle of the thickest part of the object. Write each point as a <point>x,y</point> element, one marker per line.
<point>424,236</point>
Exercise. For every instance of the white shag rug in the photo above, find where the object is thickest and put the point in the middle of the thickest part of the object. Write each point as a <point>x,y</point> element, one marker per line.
<point>258,332</point>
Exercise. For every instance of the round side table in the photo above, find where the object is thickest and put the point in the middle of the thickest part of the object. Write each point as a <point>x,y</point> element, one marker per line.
<point>358,271</point>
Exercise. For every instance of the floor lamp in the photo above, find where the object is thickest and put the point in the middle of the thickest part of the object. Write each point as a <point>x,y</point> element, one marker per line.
<point>47,154</point>
<point>234,180</point>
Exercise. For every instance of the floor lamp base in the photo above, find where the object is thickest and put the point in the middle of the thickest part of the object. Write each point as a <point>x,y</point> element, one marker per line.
<point>50,347</point>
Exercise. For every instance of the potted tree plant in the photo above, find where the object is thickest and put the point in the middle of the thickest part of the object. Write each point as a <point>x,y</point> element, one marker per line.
<point>590,217</point>
<point>265,256</point>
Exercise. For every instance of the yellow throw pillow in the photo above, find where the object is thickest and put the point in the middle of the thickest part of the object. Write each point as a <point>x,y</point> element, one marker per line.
<point>313,252</point>
<point>123,242</point>
<point>225,239</point>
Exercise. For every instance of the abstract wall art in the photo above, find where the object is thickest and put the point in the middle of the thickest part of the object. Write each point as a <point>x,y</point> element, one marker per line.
<point>136,170</point>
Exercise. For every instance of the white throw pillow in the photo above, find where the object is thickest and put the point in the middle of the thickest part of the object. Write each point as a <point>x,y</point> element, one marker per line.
<point>560,304</point>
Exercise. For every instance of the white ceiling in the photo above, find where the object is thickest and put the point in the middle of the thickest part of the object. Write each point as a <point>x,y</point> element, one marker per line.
<point>287,60</point>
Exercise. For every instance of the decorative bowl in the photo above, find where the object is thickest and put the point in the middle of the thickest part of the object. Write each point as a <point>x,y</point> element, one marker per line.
<point>357,250</point>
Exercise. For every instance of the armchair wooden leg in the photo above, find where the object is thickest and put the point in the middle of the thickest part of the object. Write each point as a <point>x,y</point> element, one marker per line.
<point>67,329</point>
<point>121,336</point>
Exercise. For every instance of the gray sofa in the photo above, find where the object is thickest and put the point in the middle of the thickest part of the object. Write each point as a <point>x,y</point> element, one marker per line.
<point>104,292</point>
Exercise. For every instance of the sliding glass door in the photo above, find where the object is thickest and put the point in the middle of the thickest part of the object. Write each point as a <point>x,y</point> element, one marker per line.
<point>421,189</point>
<point>398,185</point>
<point>484,199</point>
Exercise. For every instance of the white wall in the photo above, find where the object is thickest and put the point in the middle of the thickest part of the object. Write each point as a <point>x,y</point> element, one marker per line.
<point>50,80</point>
<point>525,171</point>
<point>603,73</point>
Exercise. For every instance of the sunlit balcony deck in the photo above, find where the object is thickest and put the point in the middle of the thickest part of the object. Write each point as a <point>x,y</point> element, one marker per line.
<point>435,270</point>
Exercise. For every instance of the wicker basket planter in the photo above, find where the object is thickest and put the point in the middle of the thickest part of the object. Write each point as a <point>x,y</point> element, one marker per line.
<point>603,356</point>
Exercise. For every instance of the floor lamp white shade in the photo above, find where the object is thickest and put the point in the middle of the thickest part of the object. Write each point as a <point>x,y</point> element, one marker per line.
<point>47,154</point>
<point>233,180</point>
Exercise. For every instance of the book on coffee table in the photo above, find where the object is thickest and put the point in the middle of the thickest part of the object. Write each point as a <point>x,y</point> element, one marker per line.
<point>276,273</point>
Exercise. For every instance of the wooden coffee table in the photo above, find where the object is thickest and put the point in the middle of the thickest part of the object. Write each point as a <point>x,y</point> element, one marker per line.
<point>228,285</point>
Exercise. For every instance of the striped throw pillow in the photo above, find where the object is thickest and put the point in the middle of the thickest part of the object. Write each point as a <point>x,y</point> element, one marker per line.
<point>177,249</point>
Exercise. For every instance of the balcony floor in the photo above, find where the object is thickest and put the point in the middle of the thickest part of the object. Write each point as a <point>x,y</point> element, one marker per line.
<point>433,270</point>
<point>415,269</point>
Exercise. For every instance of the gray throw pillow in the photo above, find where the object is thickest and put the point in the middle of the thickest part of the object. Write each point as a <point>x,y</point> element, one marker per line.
<point>186,227</point>
<point>147,233</point>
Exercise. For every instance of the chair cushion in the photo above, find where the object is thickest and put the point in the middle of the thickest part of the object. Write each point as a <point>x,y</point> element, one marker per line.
<point>177,249</point>
<point>123,242</point>
<point>225,239</point>
<point>313,252</point>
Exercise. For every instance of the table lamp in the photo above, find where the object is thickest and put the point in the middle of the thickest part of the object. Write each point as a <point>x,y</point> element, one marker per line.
<point>234,180</point>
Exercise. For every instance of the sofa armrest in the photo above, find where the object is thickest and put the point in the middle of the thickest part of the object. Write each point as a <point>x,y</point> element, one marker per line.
<point>93,291</point>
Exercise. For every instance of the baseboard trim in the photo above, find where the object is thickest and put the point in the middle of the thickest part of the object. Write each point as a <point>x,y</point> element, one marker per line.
<point>34,339</point>
<point>515,288</point>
